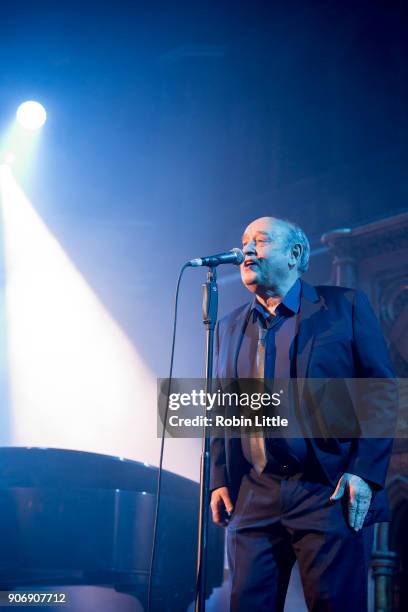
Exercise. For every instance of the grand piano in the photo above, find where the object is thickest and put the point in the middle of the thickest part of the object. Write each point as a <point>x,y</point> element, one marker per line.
<point>78,518</point>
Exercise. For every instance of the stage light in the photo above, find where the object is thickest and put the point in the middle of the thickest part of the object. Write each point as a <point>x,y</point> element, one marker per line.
<point>31,115</point>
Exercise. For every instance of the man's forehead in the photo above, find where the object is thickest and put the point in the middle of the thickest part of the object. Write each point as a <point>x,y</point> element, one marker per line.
<point>265,225</point>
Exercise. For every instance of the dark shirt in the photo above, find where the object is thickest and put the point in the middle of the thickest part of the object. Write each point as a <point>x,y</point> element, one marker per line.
<point>278,334</point>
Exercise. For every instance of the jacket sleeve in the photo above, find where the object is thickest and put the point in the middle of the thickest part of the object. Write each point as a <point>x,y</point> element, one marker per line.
<point>218,463</point>
<point>370,456</point>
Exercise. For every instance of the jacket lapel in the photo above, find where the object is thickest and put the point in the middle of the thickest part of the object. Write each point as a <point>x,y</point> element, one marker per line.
<point>306,327</point>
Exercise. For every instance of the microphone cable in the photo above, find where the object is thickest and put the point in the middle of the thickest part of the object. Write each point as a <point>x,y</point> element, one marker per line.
<point>160,469</point>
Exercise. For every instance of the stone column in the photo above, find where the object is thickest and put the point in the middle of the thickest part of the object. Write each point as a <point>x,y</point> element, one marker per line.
<point>384,564</point>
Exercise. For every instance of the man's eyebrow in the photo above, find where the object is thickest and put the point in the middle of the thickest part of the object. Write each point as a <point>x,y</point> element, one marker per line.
<point>257,233</point>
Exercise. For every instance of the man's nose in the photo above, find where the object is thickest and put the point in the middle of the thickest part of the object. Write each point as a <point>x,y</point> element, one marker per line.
<point>249,248</point>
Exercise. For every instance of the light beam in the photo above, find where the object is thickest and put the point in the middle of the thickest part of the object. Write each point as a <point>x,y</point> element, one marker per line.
<point>75,379</point>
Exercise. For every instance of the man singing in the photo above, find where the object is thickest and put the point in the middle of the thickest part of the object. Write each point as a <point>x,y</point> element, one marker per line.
<point>308,499</point>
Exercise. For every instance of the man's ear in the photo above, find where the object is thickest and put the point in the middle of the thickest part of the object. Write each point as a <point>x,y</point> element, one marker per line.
<point>295,254</point>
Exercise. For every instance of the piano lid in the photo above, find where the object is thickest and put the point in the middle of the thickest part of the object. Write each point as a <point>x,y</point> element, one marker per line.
<point>48,467</point>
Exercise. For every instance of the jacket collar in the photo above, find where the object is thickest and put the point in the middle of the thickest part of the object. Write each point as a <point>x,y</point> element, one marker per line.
<point>309,293</point>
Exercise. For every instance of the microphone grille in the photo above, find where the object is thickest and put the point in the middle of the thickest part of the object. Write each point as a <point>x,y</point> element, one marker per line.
<point>239,255</point>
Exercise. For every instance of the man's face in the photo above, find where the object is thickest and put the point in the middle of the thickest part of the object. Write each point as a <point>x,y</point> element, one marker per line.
<point>266,263</point>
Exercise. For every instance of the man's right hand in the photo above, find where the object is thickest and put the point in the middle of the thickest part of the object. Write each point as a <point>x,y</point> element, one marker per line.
<point>221,506</point>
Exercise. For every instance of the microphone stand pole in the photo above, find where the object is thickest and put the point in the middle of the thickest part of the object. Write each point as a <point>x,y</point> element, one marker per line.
<point>210,309</point>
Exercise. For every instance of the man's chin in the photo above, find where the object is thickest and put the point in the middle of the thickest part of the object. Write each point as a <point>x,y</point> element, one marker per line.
<point>250,280</point>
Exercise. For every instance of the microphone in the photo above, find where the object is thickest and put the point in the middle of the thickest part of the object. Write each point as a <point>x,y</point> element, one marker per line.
<point>234,256</point>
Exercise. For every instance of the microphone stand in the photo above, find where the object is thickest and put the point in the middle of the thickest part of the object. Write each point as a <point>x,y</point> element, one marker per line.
<point>210,309</point>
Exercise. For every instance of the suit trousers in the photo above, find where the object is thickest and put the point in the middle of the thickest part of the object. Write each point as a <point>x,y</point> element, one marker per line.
<point>278,520</point>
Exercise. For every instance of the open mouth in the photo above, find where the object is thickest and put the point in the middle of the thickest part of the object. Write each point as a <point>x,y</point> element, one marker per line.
<point>249,263</point>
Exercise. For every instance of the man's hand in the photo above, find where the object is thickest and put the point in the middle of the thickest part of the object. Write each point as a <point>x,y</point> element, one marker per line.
<point>221,506</point>
<point>359,494</point>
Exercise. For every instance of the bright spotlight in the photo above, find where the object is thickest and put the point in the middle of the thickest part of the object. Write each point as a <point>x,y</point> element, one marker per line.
<point>31,115</point>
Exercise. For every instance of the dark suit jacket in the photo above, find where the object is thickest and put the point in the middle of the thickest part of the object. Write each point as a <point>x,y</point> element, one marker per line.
<point>338,336</point>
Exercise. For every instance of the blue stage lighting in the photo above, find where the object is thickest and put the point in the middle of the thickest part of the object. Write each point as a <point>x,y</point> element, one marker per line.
<point>31,115</point>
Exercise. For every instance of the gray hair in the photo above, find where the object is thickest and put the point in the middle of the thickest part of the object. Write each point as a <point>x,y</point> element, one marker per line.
<point>295,235</point>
